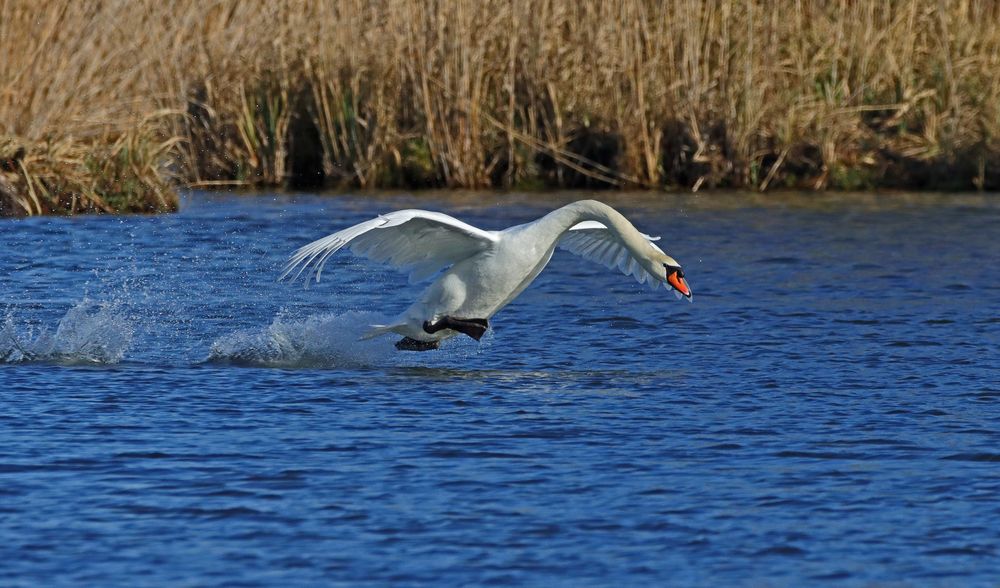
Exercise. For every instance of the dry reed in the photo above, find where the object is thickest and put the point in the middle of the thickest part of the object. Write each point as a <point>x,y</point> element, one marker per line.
<point>111,100</point>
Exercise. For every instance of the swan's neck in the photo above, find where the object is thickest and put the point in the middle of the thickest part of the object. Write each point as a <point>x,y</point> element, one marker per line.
<point>557,222</point>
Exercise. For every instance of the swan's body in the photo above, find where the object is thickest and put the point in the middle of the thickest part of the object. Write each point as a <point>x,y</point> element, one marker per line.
<point>485,270</point>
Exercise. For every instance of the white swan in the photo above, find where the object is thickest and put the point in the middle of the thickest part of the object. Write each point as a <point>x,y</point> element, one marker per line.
<point>487,269</point>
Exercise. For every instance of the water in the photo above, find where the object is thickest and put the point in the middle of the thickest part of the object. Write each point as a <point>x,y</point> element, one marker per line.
<point>826,412</point>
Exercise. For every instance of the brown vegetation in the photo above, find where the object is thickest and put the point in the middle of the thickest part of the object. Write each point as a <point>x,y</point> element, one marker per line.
<point>112,100</point>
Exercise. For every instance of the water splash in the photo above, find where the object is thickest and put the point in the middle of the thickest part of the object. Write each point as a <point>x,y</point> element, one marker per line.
<point>89,333</point>
<point>328,340</point>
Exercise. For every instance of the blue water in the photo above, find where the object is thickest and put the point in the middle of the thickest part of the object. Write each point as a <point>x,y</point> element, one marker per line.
<point>825,412</point>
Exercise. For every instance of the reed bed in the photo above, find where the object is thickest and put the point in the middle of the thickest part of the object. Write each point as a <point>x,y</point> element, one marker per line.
<point>106,105</point>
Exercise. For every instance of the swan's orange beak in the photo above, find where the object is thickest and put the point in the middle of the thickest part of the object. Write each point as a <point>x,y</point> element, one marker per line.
<point>676,280</point>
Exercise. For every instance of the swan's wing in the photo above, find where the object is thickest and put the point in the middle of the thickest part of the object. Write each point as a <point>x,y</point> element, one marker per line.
<point>417,241</point>
<point>592,240</point>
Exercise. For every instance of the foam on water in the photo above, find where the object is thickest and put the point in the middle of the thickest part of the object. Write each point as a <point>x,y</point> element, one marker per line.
<point>89,333</point>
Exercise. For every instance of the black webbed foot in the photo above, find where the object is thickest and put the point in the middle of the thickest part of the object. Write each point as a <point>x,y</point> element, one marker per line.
<point>408,344</point>
<point>474,328</point>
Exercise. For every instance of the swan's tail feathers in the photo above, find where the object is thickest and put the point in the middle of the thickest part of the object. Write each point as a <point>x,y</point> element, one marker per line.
<point>377,330</point>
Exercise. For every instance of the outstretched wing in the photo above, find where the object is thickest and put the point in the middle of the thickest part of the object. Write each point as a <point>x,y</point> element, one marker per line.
<point>593,241</point>
<point>418,241</point>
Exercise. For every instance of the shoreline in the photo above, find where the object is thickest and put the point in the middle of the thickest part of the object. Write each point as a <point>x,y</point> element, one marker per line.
<point>41,183</point>
<point>64,179</point>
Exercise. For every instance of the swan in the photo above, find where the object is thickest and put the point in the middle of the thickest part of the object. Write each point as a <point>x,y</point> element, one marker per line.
<point>479,272</point>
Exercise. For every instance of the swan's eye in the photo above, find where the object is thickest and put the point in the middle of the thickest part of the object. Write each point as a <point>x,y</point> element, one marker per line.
<point>673,268</point>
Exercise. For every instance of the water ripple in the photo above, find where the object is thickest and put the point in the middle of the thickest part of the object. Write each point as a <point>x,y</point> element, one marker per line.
<point>823,414</point>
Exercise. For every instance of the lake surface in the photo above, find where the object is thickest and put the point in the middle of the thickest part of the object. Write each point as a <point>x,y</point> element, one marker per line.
<point>827,411</point>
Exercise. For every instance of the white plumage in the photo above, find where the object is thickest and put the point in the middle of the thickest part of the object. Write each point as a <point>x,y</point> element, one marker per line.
<point>593,241</point>
<point>418,241</point>
<point>485,270</point>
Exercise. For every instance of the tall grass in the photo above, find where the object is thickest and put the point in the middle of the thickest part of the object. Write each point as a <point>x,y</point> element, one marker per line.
<point>127,95</point>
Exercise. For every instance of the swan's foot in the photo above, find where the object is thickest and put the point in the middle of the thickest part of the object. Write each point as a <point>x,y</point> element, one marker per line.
<point>474,328</point>
<point>408,344</point>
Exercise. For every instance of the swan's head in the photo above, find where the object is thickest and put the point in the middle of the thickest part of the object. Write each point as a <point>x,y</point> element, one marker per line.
<point>673,276</point>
